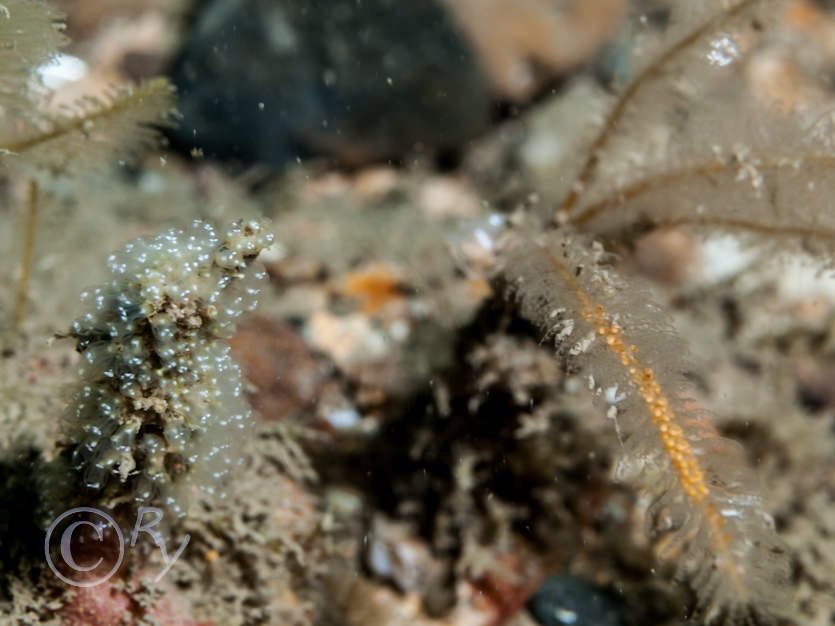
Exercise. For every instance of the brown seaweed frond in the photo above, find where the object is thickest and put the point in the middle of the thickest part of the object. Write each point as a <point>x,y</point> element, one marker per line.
<point>706,513</point>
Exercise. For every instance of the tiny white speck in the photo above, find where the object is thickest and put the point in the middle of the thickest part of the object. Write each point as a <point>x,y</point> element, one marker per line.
<point>567,329</point>
<point>723,51</point>
<point>343,418</point>
<point>483,239</point>
<point>62,69</point>
<point>581,346</point>
<point>612,395</point>
<point>565,616</point>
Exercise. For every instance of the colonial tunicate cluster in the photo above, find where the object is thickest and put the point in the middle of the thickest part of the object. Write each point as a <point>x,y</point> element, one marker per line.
<point>160,407</point>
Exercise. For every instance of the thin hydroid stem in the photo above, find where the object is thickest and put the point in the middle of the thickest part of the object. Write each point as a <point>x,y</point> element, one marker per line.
<point>28,250</point>
<point>644,186</point>
<point>673,178</point>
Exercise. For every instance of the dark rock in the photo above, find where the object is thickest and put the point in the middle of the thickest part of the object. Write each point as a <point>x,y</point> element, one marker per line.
<point>564,600</point>
<point>21,537</point>
<point>271,80</point>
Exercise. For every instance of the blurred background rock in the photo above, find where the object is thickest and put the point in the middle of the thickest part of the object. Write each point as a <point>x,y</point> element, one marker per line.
<point>274,81</point>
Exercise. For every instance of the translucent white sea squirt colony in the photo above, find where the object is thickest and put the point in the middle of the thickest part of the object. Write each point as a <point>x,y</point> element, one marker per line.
<point>160,406</point>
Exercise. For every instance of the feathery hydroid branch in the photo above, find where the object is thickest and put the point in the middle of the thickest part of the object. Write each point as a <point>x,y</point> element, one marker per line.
<point>79,135</point>
<point>706,512</point>
<point>676,148</point>
<point>651,71</point>
<point>118,123</point>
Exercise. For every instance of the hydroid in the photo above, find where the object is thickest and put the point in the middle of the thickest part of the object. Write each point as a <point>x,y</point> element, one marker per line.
<point>706,513</point>
<point>725,125</point>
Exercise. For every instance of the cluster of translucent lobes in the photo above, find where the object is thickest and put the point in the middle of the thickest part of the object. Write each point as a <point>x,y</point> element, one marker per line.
<point>160,406</point>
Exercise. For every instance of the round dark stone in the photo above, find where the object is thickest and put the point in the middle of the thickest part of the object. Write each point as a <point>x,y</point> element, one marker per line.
<point>568,601</point>
<point>358,80</point>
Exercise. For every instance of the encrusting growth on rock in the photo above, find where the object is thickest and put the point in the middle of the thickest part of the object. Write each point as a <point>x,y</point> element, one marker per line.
<point>160,407</point>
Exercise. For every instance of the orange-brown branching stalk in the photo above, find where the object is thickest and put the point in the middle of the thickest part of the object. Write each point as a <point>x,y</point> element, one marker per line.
<point>706,513</point>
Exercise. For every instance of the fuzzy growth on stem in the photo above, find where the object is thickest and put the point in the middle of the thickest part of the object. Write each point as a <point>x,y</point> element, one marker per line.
<point>160,407</point>
<point>706,513</point>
